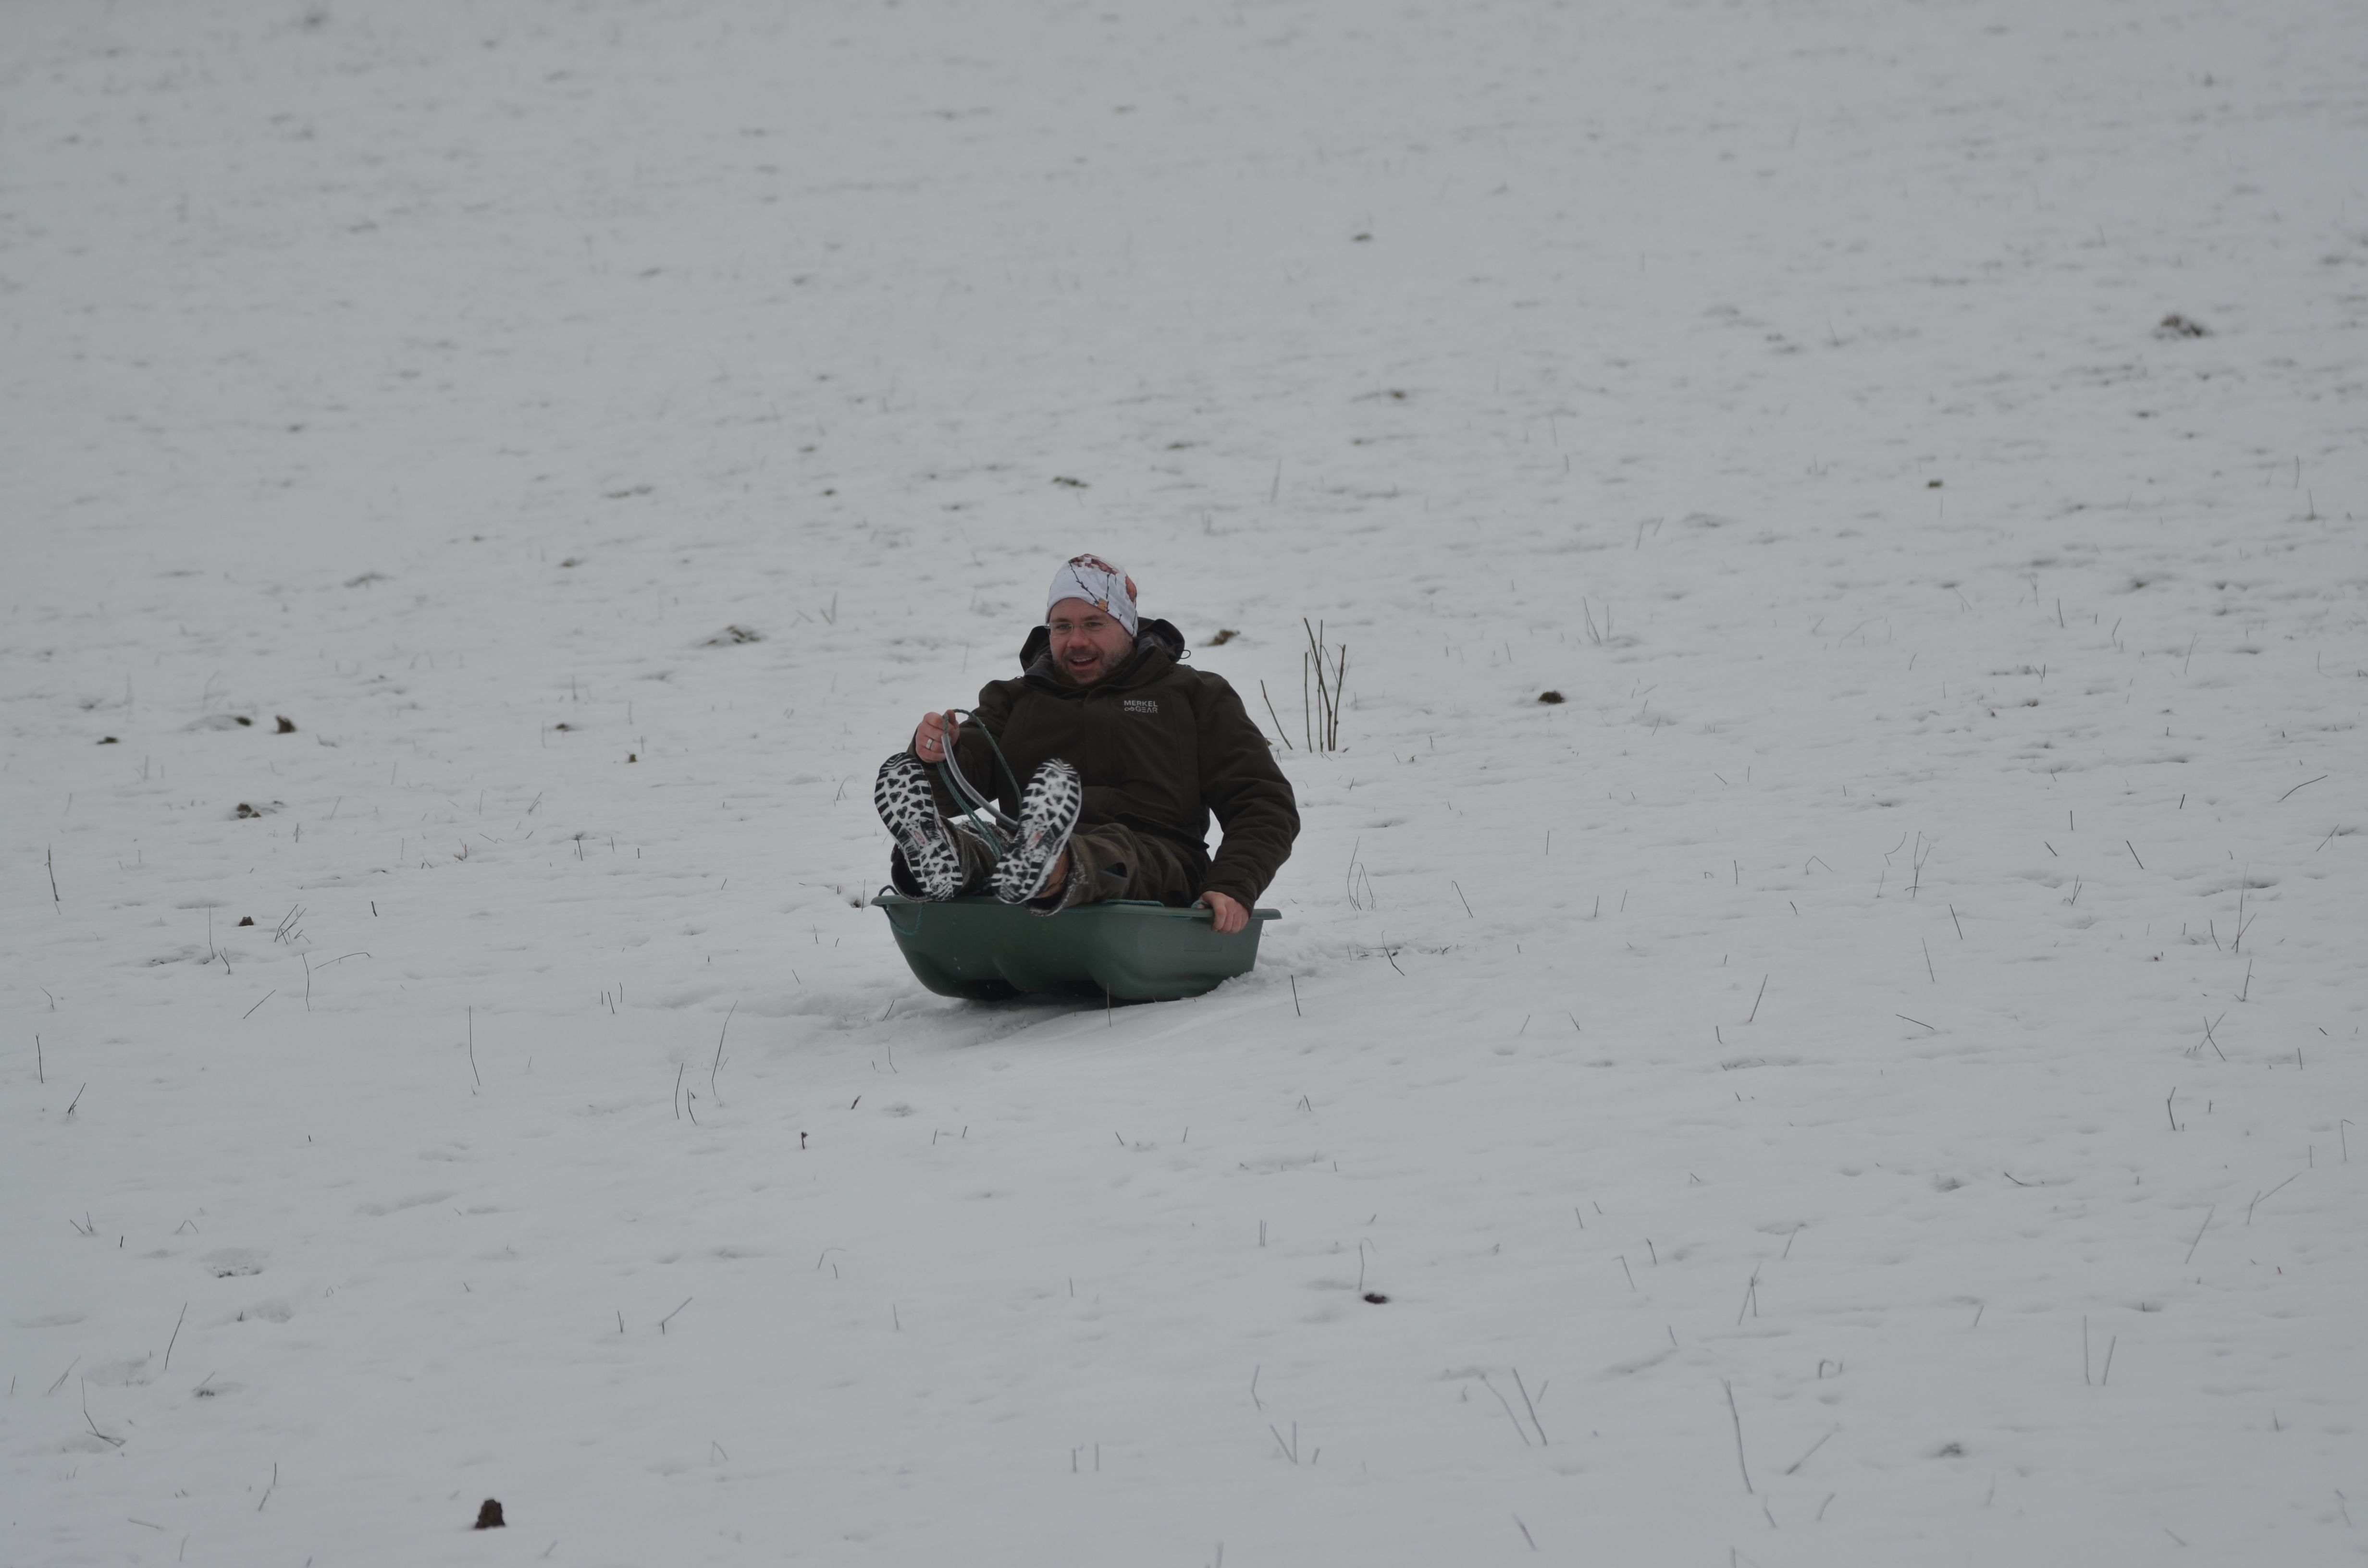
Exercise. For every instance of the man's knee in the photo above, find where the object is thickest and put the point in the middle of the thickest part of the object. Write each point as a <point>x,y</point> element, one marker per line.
<point>1119,863</point>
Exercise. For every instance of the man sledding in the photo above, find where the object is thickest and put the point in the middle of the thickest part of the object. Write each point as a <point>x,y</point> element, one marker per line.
<point>1126,753</point>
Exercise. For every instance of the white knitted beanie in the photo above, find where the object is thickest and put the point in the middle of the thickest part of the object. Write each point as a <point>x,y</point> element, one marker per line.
<point>1100,583</point>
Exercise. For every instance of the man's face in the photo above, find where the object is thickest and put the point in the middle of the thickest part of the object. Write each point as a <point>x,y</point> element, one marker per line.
<point>1088,644</point>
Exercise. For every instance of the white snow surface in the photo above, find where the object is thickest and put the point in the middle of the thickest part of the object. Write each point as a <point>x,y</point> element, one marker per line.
<point>1868,1079</point>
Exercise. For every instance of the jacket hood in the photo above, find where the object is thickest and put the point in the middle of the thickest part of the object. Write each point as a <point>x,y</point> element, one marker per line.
<point>1158,647</point>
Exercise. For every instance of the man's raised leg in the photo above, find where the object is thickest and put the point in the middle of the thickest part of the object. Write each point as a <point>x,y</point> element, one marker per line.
<point>1048,814</point>
<point>930,851</point>
<point>1108,861</point>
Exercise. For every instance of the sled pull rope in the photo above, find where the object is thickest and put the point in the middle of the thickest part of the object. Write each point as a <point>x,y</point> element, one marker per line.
<point>982,811</point>
<point>946,775</point>
<point>964,716</point>
<point>961,786</point>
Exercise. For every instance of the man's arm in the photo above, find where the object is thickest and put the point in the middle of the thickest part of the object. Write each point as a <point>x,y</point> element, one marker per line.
<point>1242,783</point>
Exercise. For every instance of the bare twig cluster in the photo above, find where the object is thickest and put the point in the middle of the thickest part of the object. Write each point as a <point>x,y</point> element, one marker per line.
<point>1527,1404</point>
<point>1321,681</point>
<point>1355,875</point>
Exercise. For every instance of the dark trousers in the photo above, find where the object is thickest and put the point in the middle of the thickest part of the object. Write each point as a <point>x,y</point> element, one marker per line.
<point>1105,861</point>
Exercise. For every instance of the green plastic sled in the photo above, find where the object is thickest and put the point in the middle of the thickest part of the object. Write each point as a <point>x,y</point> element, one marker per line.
<point>983,949</point>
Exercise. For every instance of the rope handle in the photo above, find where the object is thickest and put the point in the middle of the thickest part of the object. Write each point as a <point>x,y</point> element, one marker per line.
<point>963,715</point>
<point>989,821</point>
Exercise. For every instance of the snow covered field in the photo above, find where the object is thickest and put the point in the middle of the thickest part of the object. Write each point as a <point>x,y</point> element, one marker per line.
<point>1867,1079</point>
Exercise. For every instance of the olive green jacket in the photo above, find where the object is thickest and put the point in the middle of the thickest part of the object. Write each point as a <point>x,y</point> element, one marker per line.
<point>1160,747</point>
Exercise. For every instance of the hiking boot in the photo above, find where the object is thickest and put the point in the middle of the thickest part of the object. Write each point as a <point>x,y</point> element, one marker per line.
<point>932,854</point>
<point>1048,814</point>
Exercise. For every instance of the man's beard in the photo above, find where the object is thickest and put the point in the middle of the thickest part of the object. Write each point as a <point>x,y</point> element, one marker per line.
<point>1105,666</point>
